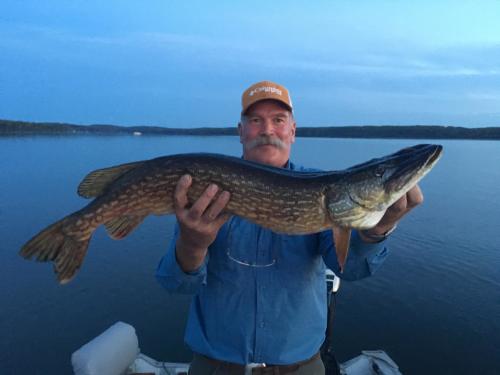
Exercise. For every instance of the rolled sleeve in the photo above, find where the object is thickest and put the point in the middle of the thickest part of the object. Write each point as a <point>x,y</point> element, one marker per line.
<point>362,261</point>
<point>365,258</point>
<point>170,275</point>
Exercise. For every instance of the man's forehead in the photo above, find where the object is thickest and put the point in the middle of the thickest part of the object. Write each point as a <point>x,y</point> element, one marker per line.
<point>270,107</point>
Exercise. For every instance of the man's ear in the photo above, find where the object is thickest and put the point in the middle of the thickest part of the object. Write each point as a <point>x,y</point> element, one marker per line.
<point>240,130</point>
<point>294,128</point>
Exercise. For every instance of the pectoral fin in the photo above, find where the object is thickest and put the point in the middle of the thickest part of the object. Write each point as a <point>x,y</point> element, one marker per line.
<point>341,237</point>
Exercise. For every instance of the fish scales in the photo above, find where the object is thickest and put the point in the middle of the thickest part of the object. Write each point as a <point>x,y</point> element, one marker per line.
<point>282,200</point>
<point>254,195</point>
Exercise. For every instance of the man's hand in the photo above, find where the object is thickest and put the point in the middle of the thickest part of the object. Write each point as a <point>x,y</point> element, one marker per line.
<point>198,224</point>
<point>394,213</point>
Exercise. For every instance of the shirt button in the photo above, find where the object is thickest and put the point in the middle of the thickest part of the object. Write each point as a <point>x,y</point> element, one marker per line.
<point>262,324</point>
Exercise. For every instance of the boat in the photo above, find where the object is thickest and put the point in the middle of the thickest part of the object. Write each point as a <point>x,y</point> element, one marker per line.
<point>116,351</point>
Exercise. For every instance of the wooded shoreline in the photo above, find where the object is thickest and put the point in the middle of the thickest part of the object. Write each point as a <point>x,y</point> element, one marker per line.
<point>21,128</point>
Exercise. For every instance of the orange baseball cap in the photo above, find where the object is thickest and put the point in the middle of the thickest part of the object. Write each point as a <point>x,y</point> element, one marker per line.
<point>263,91</point>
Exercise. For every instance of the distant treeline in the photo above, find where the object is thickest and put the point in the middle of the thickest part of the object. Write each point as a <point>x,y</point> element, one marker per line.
<point>8,127</point>
<point>11,128</point>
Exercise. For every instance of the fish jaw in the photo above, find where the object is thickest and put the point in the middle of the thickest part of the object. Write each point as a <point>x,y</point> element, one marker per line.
<point>420,162</point>
<point>361,199</point>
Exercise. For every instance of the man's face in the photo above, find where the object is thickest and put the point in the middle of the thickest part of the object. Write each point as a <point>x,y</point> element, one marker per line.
<point>267,132</point>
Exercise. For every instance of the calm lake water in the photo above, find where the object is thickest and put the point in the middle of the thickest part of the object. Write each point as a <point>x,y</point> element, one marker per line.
<point>434,306</point>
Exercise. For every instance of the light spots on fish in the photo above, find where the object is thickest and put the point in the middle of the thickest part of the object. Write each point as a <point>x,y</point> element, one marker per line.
<point>82,224</point>
<point>85,237</point>
<point>281,201</point>
<point>301,202</point>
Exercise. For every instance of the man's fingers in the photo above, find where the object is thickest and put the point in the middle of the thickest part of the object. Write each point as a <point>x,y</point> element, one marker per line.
<point>217,206</point>
<point>180,194</point>
<point>398,208</point>
<point>414,197</point>
<point>221,219</point>
<point>402,206</point>
<point>201,204</point>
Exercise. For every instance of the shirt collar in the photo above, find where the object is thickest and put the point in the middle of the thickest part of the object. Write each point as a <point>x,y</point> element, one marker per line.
<point>288,164</point>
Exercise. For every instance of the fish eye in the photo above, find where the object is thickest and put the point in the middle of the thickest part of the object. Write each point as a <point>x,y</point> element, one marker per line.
<point>379,171</point>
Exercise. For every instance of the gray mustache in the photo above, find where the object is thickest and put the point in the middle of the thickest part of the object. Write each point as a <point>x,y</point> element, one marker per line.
<point>266,140</point>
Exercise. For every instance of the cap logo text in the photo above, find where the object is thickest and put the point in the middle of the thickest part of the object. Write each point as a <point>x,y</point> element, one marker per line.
<point>273,90</point>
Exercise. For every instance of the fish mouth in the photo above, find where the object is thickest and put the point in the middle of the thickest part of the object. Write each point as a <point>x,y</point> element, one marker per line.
<point>410,165</point>
<point>435,156</point>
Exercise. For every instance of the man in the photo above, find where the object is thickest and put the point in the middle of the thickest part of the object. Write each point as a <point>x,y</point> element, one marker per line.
<point>271,310</point>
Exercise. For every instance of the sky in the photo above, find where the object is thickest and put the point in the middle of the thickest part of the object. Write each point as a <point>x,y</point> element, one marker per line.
<point>186,63</point>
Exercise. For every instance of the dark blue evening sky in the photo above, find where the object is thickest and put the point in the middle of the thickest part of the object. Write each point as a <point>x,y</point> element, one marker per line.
<point>185,63</point>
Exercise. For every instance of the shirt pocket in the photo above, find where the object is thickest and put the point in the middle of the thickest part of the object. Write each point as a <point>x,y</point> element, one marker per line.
<point>299,254</point>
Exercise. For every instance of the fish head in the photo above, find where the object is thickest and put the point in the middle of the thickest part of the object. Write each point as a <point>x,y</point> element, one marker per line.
<point>368,189</point>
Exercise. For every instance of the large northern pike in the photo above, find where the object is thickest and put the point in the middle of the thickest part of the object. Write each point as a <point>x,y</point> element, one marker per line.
<point>279,199</point>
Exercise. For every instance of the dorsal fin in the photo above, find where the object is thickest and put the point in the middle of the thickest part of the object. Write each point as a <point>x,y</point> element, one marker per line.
<point>96,182</point>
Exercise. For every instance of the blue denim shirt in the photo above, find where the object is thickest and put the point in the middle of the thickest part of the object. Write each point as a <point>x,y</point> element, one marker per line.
<point>274,313</point>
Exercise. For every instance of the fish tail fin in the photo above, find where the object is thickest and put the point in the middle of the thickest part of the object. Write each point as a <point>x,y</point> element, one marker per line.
<point>53,244</point>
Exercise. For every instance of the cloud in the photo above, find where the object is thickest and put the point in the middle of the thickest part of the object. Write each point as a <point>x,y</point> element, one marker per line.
<point>397,62</point>
<point>375,80</point>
